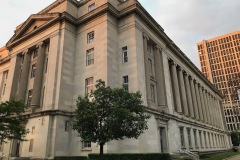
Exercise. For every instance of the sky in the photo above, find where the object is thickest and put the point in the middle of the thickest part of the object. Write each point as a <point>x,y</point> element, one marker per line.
<point>186,22</point>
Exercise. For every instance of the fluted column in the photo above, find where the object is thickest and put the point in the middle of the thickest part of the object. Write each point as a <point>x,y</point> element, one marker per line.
<point>189,95</point>
<point>175,86</point>
<point>183,92</point>
<point>147,75</point>
<point>207,106</point>
<point>194,99</point>
<point>37,86</point>
<point>199,102</point>
<point>211,109</point>
<point>203,104</point>
<point>24,76</point>
<point>159,74</point>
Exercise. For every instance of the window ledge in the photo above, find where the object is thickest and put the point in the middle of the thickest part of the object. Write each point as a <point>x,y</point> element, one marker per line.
<point>87,149</point>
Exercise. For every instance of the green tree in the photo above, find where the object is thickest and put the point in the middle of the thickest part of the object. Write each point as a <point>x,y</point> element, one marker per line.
<point>235,138</point>
<point>110,114</point>
<point>12,120</point>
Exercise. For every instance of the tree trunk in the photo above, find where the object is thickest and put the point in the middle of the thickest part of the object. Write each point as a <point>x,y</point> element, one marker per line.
<point>101,151</point>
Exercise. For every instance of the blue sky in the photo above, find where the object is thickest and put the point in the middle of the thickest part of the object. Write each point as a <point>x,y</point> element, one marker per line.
<point>186,22</point>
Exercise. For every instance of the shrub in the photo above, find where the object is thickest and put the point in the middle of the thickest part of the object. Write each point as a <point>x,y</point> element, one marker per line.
<point>131,156</point>
<point>70,158</point>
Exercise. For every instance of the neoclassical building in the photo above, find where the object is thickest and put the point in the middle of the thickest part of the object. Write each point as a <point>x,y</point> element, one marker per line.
<point>59,53</point>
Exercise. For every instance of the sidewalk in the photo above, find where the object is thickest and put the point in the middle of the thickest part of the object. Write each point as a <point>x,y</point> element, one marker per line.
<point>233,158</point>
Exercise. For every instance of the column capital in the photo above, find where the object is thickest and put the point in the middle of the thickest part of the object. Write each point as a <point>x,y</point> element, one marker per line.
<point>145,36</point>
<point>40,44</point>
<point>172,63</point>
<point>25,51</point>
<point>179,68</point>
<point>157,47</point>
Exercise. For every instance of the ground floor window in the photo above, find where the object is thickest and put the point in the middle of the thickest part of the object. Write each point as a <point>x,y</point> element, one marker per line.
<point>182,137</point>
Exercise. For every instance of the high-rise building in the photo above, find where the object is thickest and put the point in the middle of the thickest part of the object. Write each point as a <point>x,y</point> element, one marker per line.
<point>58,54</point>
<point>220,63</point>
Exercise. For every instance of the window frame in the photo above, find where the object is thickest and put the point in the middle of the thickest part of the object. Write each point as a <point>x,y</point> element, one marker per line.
<point>91,7</point>
<point>153,93</point>
<point>33,70</point>
<point>126,82</point>
<point>89,86</point>
<point>86,144</point>
<point>31,145</point>
<point>125,54</point>
<point>90,57</point>
<point>90,37</point>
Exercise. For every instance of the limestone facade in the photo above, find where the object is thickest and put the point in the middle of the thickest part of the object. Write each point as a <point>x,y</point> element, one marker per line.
<point>58,54</point>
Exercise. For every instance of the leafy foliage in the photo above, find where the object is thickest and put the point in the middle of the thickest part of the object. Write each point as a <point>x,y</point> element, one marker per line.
<point>110,114</point>
<point>12,120</point>
<point>235,136</point>
<point>132,156</point>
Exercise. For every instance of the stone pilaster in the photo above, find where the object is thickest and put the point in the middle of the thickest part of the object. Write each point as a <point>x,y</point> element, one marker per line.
<point>207,106</point>
<point>159,74</point>
<point>175,85</point>
<point>147,75</point>
<point>38,80</point>
<point>189,95</point>
<point>17,72</point>
<point>194,99</point>
<point>203,104</point>
<point>24,76</point>
<point>183,92</point>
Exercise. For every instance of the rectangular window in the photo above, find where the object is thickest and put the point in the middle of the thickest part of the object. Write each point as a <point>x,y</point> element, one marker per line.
<point>31,145</point>
<point>124,54</point>
<point>33,129</point>
<point>90,37</point>
<point>200,138</point>
<point>5,73</point>
<point>125,82</point>
<point>150,65</point>
<point>182,137</point>
<point>89,85</point>
<point>189,138</point>
<point>29,97</point>
<point>66,126</point>
<point>86,144</point>
<point>195,138</point>
<point>91,7</point>
<point>90,57</point>
<point>205,138</point>
<point>4,88</point>
<point>152,87</point>
<point>33,70</point>
<point>35,53</point>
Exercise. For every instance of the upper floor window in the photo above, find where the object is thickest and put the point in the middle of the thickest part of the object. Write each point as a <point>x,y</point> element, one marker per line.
<point>91,7</point>
<point>90,57</point>
<point>33,129</point>
<point>125,82</point>
<point>89,85</point>
<point>66,126</point>
<point>35,53</point>
<point>86,144</point>
<point>29,97</point>
<point>150,65</point>
<point>5,73</point>
<point>90,37</point>
<point>124,54</point>
<point>33,71</point>
<point>152,87</point>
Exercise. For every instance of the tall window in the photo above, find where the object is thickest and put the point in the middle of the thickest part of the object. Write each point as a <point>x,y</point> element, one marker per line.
<point>90,37</point>
<point>152,87</point>
<point>209,140</point>
<point>90,57</point>
<point>205,138</point>
<point>189,137</point>
<point>35,53</point>
<point>33,70</point>
<point>200,138</point>
<point>182,137</point>
<point>4,88</point>
<point>125,82</point>
<point>33,129</point>
<point>86,144</point>
<point>31,145</point>
<point>89,85</point>
<point>66,126</point>
<point>29,97</point>
<point>150,65</point>
<point>195,138</point>
<point>91,7</point>
<point>124,54</point>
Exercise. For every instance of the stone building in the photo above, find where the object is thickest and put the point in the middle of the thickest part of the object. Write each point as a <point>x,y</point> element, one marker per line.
<point>220,63</point>
<point>58,54</point>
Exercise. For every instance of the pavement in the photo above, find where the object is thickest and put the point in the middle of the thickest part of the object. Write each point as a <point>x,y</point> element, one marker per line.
<point>233,158</point>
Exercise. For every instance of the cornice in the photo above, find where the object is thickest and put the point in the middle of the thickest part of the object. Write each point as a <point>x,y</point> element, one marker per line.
<point>51,6</point>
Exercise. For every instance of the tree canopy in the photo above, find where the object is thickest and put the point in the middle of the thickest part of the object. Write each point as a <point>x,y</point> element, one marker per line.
<point>110,114</point>
<point>12,120</point>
